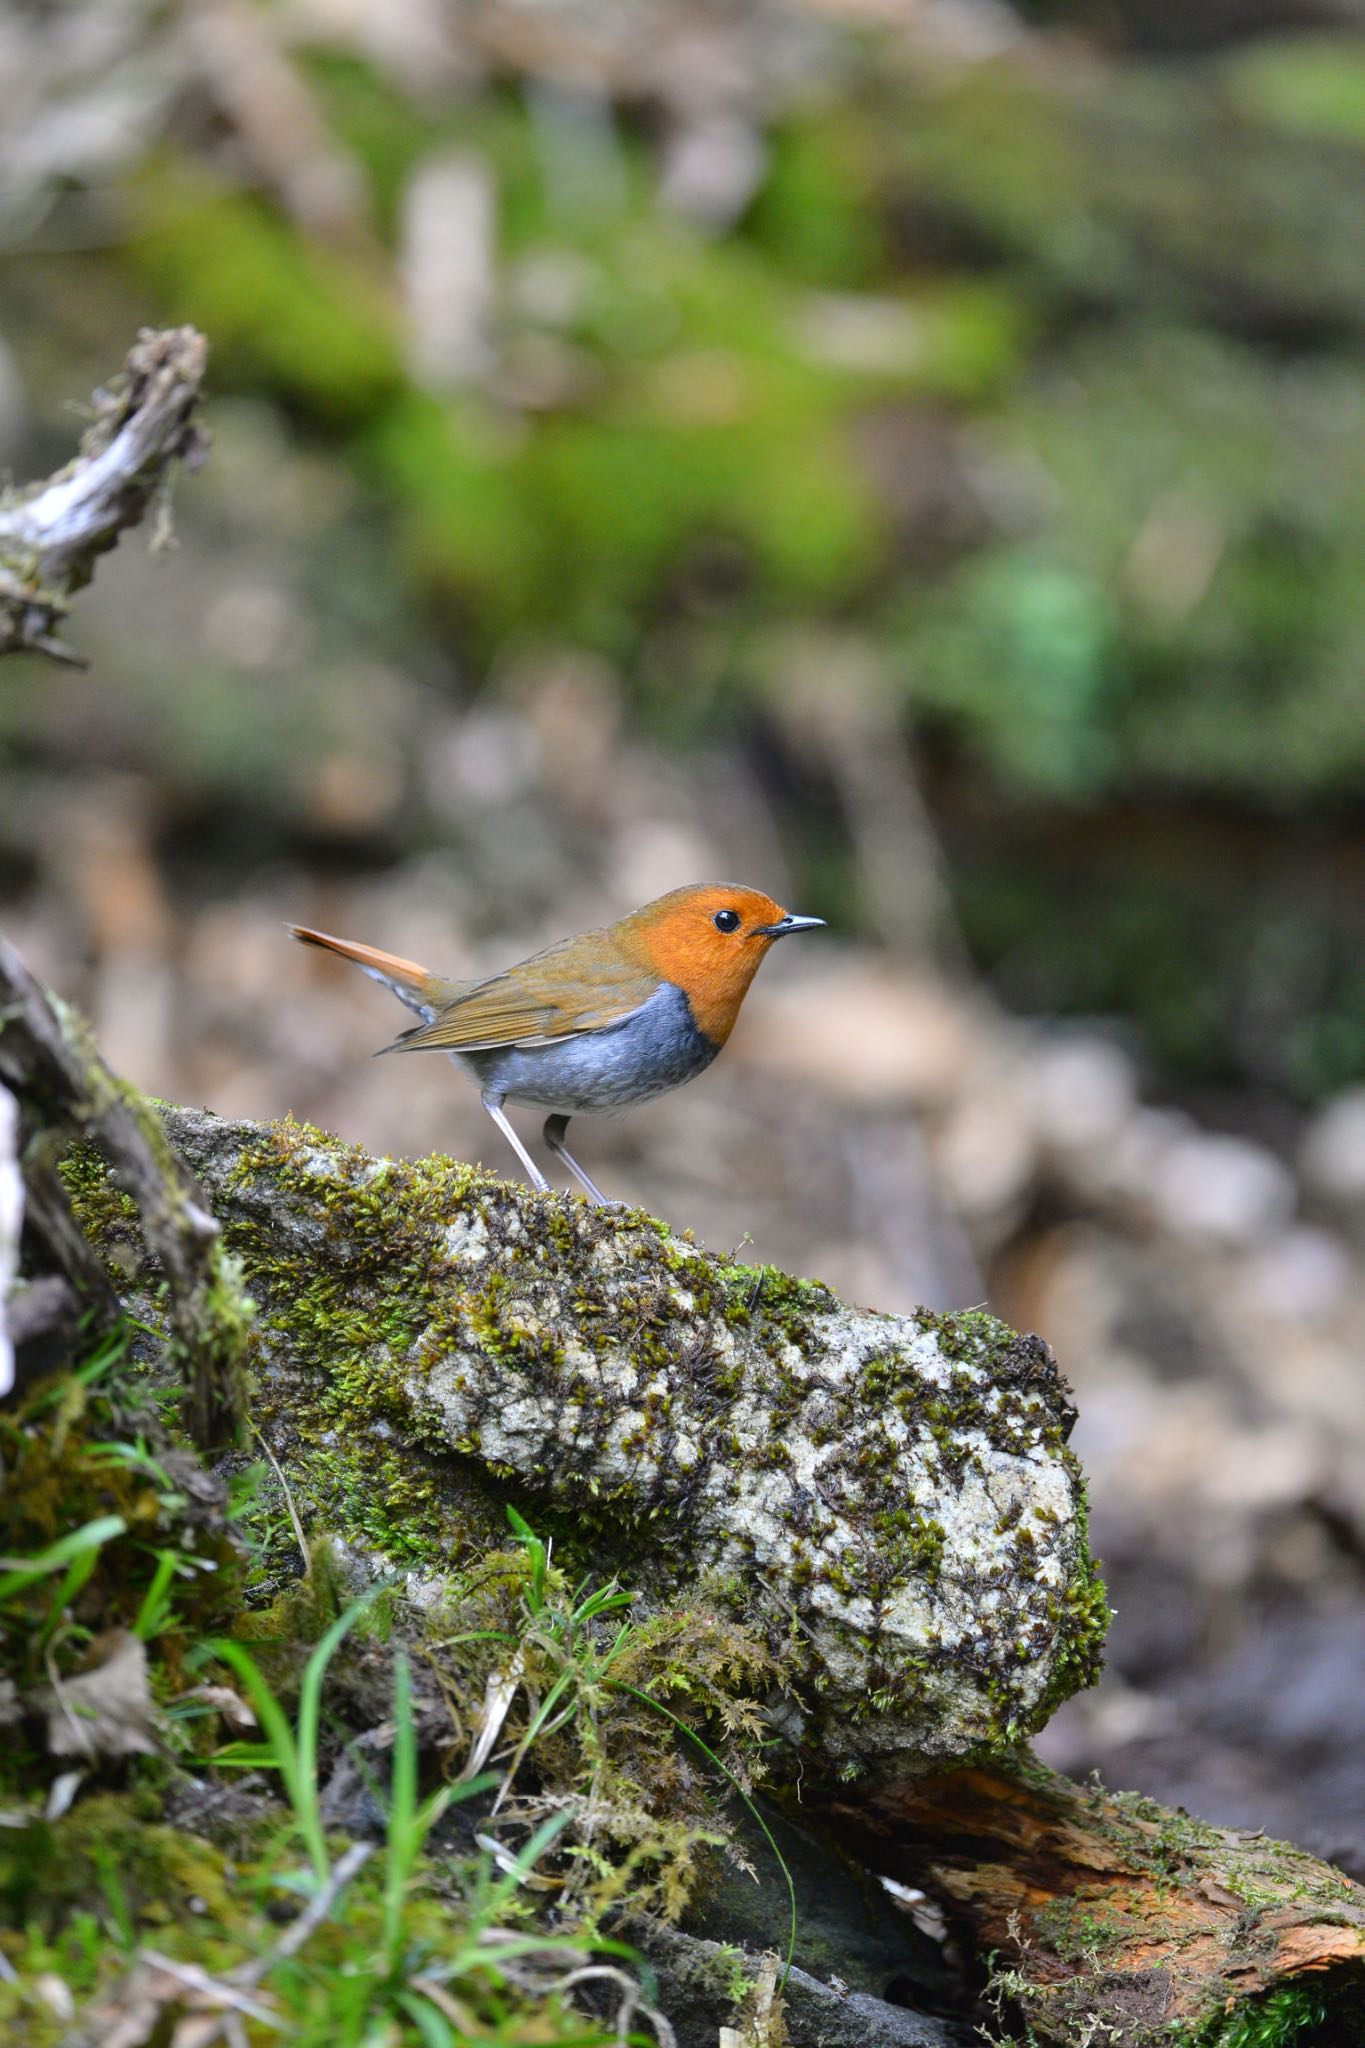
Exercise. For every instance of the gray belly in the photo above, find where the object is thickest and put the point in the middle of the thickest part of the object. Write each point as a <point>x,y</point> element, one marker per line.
<point>656,1049</point>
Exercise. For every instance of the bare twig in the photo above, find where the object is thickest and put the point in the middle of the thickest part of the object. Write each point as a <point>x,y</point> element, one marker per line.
<point>52,533</point>
<point>216,1990</point>
<point>633,2001</point>
<point>311,1918</point>
<point>217,2003</point>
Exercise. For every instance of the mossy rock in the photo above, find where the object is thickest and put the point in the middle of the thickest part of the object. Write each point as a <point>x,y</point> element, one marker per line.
<point>890,1500</point>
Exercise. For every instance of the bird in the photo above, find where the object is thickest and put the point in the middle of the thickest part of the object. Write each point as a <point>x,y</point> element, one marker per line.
<point>596,1022</point>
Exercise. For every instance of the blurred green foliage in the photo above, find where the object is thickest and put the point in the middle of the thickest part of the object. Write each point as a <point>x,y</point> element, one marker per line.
<point>1172,599</point>
<point>1048,379</point>
<point>285,314</point>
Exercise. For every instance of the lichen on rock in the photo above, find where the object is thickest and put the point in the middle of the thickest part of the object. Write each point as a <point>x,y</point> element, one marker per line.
<point>890,1498</point>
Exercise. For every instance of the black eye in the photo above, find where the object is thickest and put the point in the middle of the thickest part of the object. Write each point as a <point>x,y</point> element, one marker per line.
<point>726,920</point>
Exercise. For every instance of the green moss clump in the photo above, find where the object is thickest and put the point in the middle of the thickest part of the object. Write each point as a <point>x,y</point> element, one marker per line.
<point>1294,2016</point>
<point>110,1843</point>
<point>1082,1616</point>
<point>82,1450</point>
<point>105,1213</point>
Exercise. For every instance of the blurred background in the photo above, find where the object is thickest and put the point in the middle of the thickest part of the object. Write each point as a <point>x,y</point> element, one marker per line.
<point>908,455</point>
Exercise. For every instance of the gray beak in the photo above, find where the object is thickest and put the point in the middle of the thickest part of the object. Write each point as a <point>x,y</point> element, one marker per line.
<point>790,923</point>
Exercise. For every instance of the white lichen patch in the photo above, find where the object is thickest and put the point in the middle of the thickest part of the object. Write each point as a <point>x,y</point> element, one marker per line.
<point>466,1239</point>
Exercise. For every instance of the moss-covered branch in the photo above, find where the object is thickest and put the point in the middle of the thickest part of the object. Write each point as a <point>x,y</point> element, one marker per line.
<point>64,1089</point>
<point>52,533</point>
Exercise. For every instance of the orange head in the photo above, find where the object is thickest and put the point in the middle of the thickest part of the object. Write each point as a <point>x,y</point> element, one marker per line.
<point>709,939</point>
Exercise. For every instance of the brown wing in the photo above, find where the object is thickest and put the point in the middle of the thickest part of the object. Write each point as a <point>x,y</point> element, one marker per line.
<point>575,986</point>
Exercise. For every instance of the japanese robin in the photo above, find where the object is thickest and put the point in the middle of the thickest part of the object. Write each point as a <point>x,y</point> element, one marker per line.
<point>596,1022</point>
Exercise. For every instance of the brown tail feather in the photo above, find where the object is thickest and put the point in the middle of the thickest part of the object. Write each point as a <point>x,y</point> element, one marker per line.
<point>406,973</point>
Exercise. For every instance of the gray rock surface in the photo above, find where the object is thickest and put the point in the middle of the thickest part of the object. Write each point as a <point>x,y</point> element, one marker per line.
<point>890,1498</point>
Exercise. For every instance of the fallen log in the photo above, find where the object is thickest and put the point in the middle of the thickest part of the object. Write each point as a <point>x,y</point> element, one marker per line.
<point>1091,1909</point>
<point>892,1495</point>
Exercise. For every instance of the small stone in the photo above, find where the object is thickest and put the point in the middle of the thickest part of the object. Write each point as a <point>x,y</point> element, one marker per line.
<point>1083,1092</point>
<point>1225,1191</point>
<point>1333,1154</point>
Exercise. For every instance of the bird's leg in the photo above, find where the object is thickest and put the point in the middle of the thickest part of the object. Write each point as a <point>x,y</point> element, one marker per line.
<point>493,1104</point>
<point>555,1127</point>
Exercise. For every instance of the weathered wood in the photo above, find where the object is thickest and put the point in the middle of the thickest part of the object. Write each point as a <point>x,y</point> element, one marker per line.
<point>1089,1905</point>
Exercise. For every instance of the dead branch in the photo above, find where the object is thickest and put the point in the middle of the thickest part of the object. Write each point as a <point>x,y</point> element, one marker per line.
<point>51,533</point>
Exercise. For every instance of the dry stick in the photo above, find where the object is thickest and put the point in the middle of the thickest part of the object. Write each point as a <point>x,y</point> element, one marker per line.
<point>63,1086</point>
<point>52,533</point>
<point>232,1989</point>
<point>311,1918</point>
<point>219,1990</point>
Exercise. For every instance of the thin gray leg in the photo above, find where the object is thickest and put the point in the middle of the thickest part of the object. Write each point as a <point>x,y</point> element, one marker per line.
<point>555,1127</point>
<point>493,1104</point>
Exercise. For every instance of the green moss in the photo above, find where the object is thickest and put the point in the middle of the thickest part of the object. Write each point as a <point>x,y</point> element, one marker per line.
<point>1081,1617</point>
<point>109,1841</point>
<point>105,1213</point>
<point>72,1454</point>
<point>1306,85</point>
<point>1294,2016</point>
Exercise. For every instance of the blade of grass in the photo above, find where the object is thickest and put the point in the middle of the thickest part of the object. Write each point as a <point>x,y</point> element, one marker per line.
<point>279,1751</point>
<point>155,1611</point>
<point>647,1699</point>
<point>22,1572</point>
<point>310,1698</point>
<point>403,1839</point>
<point>539,1554</point>
<point>293,1751</point>
<point>433,2026</point>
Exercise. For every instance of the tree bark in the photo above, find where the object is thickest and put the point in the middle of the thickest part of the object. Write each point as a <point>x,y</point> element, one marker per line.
<point>1095,1905</point>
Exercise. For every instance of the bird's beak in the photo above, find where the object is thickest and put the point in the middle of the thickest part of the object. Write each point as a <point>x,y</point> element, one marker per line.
<point>789,923</point>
